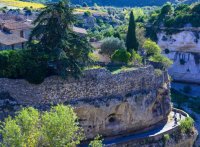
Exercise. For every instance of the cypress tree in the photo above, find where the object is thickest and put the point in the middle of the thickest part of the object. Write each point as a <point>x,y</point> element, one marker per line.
<point>131,40</point>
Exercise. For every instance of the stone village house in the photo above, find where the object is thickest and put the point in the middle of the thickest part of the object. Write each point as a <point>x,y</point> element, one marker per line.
<point>13,33</point>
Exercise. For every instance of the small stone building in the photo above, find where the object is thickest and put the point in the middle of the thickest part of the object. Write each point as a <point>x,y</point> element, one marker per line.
<point>14,34</point>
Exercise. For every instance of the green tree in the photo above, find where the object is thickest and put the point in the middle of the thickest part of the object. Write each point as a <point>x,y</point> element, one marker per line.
<point>164,61</point>
<point>60,128</point>
<point>22,130</point>
<point>151,48</point>
<point>110,45</point>
<point>121,55</point>
<point>97,142</point>
<point>131,40</point>
<point>59,47</point>
<point>30,128</point>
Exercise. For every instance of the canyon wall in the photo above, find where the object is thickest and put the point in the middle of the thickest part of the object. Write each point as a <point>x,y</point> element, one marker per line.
<point>107,104</point>
<point>182,46</point>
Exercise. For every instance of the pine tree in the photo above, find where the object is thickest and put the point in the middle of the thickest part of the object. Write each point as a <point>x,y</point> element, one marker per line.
<point>66,51</point>
<point>131,40</point>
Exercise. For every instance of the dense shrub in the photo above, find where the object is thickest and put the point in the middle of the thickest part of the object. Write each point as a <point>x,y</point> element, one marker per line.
<point>166,137</point>
<point>110,45</point>
<point>196,8</point>
<point>22,64</point>
<point>121,55</point>
<point>164,61</point>
<point>11,63</point>
<point>183,15</point>
<point>136,58</point>
<point>97,142</point>
<point>58,127</point>
<point>158,72</point>
<point>151,48</point>
<point>186,125</point>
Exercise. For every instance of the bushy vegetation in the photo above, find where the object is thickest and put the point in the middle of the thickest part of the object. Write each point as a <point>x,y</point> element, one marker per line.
<point>97,142</point>
<point>21,64</point>
<point>121,56</point>
<point>110,45</point>
<point>53,48</point>
<point>58,127</point>
<point>126,3</point>
<point>186,125</point>
<point>166,137</point>
<point>151,48</point>
<point>176,17</point>
<point>164,61</point>
<point>136,58</point>
<point>153,53</point>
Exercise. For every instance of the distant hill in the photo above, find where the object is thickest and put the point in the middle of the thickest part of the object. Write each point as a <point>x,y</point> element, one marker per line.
<point>121,3</point>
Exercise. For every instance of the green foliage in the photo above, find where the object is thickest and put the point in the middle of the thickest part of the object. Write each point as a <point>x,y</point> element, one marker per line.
<point>131,40</point>
<point>196,8</point>
<point>164,61</point>
<point>94,57</point>
<point>58,127</point>
<point>136,58</point>
<point>151,48</point>
<point>117,35</point>
<point>22,64</point>
<point>21,131</point>
<point>158,72</point>
<point>87,13</point>
<point>67,52</point>
<point>97,142</point>
<point>166,137</point>
<point>186,125</point>
<point>121,55</point>
<point>182,15</point>
<point>11,63</point>
<point>110,45</point>
<point>166,9</point>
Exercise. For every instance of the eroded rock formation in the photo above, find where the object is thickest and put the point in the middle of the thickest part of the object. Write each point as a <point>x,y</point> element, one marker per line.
<point>106,103</point>
<point>183,47</point>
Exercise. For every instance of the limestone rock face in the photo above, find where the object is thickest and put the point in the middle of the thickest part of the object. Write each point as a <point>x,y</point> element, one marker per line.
<point>184,51</point>
<point>107,104</point>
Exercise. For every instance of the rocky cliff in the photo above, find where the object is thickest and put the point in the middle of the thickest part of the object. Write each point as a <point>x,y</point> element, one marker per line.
<point>183,47</point>
<point>106,103</point>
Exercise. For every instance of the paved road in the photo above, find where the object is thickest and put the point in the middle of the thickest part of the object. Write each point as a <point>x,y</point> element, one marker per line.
<point>156,131</point>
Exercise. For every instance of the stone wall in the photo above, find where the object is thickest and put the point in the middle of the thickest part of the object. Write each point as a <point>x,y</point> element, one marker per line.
<point>107,104</point>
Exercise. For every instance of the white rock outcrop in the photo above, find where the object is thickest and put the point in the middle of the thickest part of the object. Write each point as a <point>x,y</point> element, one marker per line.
<point>184,49</point>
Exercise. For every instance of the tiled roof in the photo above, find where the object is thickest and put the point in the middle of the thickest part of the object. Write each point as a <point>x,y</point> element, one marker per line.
<point>10,39</point>
<point>17,25</point>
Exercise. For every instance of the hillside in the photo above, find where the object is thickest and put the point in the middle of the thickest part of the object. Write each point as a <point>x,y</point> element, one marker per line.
<point>20,4</point>
<point>120,3</point>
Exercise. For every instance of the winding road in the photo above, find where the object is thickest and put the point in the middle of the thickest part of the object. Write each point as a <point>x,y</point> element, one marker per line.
<point>154,132</point>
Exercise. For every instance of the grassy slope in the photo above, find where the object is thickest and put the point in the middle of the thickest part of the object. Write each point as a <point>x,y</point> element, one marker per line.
<point>20,4</point>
